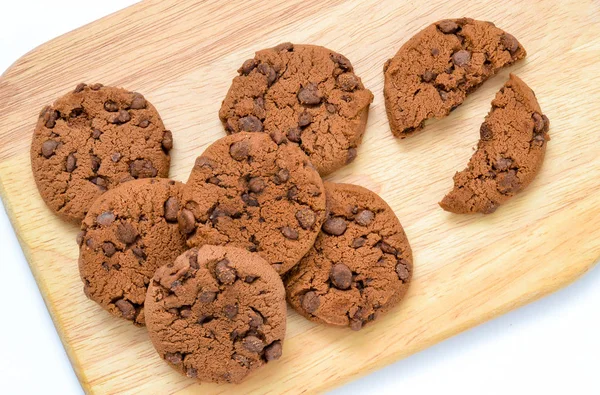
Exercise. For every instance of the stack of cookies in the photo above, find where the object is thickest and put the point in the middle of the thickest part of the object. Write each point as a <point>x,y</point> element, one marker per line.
<point>207,265</point>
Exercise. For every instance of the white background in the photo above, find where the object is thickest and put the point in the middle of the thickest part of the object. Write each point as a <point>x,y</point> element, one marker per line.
<point>551,346</point>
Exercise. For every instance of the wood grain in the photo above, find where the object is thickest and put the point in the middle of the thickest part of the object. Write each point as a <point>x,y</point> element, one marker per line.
<point>182,55</point>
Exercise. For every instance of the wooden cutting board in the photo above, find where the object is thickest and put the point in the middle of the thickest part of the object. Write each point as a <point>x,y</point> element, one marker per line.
<point>182,55</point>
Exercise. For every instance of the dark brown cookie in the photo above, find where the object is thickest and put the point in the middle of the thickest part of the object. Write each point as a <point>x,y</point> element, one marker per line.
<point>509,154</point>
<point>438,67</point>
<point>127,234</point>
<point>92,139</point>
<point>306,94</point>
<point>360,265</point>
<point>250,192</point>
<point>217,313</point>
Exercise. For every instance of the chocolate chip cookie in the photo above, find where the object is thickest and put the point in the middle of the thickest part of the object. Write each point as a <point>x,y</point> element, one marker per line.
<point>255,192</point>
<point>90,140</point>
<point>360,265</point>
<point>509,154</point>
<point>308,95</point>
<point>127,234</point>
<point>217,313</point>
<point>437,68</point>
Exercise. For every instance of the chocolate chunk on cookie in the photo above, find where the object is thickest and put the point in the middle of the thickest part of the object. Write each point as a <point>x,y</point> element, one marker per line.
<point>509,154</point>
<point>127,234</point>
<point>90,140</point>
<point>361,263</point>
<point>306,94</point>
<point>217,313</point>
<point>438,67</point>
<point>247,191</point>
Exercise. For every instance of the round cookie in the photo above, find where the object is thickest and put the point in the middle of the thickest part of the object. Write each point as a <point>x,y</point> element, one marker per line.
<point>90,140</point>
<point>217,313</point>
<point>509,154</point>
<point>360,265</point>
<point>436,69</point>
<point>306,94</point>
<point>247,191</point>
<point>128,233</point>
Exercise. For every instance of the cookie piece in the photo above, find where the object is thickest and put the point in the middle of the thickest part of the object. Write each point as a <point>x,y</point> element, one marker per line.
<point>436,69</point>
<point>306,94</point>
<point>129,232</point>
<point>360,265</point>
<point>509,154</point>
<point>247,191</point>
<point>90,140</point>
<point>217,313</point>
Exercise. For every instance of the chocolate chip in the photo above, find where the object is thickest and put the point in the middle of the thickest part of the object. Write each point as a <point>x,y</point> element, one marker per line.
<point>284,47</point>
<point>292,194</point>
<point>402,270</point>
<point>171,209</point>
<point>250,200</point>
<point>461,58</point>
<point>509,42</point>
<point>230,311</point>
<point>282,176</point>
<point>268,71</point>
<point>109,249</point>
<point>429,76</point>
<point>100,182</point>
<point>259,102</point>
<point>352,153</point>
<point>122,117</point>
<point>443,94</point>
<point>341,61</point>
<point>50,117</point>
<point>144,123</point>
<point>126,233</point>
<point>348,81</point>
<point>214,180</point>
<point>289,233</point>
<point>358,242</point>
<point>191,373</point>
<point>80,87</point>
<point>115,157</point>
<point>49,147</point>
<point>138,102</point>
<point>80,237</point>
<point>364,217</point>
<point>106,218</point>
<point>207,297</point>
<point>224,273</point>
<point>256,185</point>
<point>388,249</point>
<point>485,132</point>
<point>356,324</point>
<point>248,66</point>
<point>142,168</point>
<point>508,182</point>
<point>239,150</point>
<point>310,302</point>
<point>435,51</point>
<point>448,27</point>
<point>111,106</point>
<point>539,140</point>
<point>250,123</point>
<point>96,134</point>
<point>167,140</point>
<point>273,351</point>
<point>304,119</point>
<point>204,319</point>
<point>253,344</point>
<point>309,95</point>
<point>71,163</point>
<point>185,312</point>
<point>139,252</point>
<point>186,221</point>
<point>127,309</point>
<point>503,164</point>
<point>331,108</point>
<point>294,134</point>
<point>173,357</point>
<point>538,122</point>
<point>335,226</point>
<point>96,87</point>
<point>341,276</point>
<point>95,163</point>
<point>256,320</point>
<point>306,218</point>
<point>277,137</point>
<point>250,279</point>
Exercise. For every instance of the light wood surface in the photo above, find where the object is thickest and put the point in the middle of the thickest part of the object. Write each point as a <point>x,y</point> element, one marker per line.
<point>183,54</point>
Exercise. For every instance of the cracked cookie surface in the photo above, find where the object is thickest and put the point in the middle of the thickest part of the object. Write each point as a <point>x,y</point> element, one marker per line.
<point>509,154</point>
<point>128,233</point>
<point>90,140</point>
<point>217,313</point>
<point>438,67</point>
<point>308,95</point>
<point>360,265</point>
<point>248,191</point>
